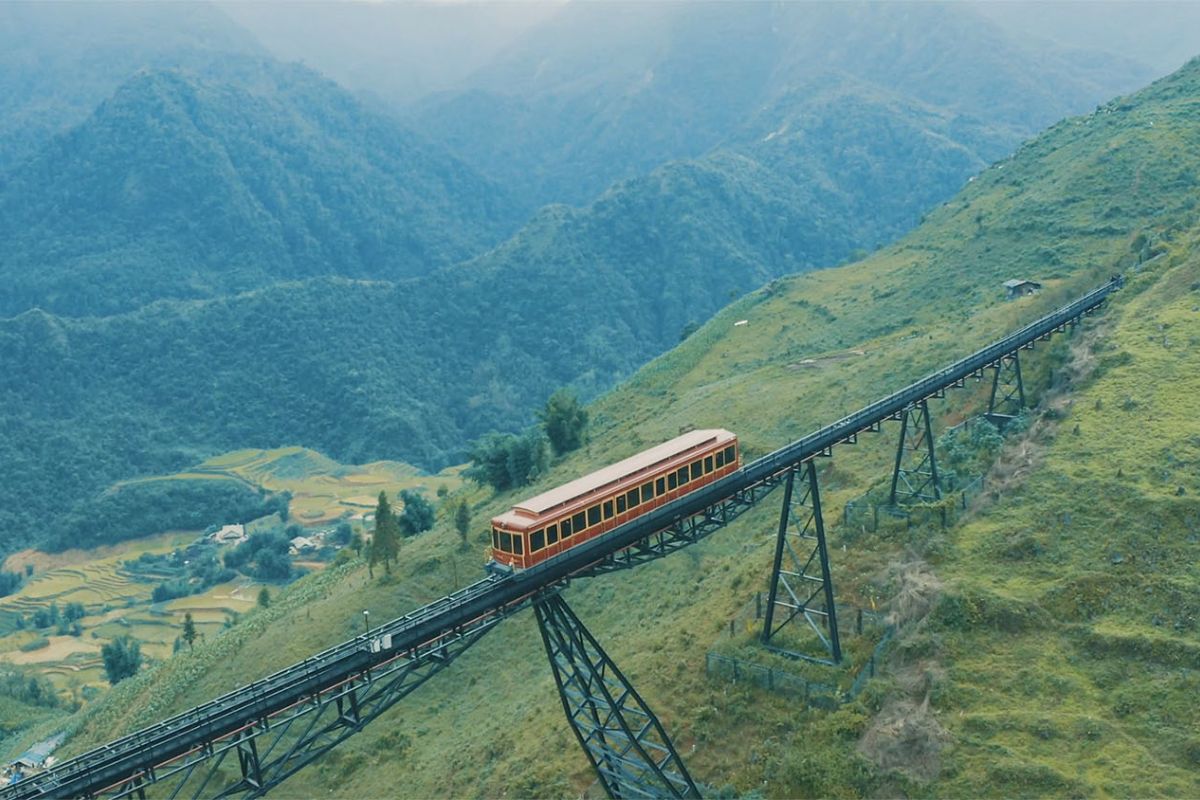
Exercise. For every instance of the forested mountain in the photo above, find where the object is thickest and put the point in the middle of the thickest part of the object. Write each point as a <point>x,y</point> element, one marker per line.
<point>182,187</point>
<point>415,369</point>
<point>1047,640</point>
<point>59,60</point>
<point>601,92</point>
<point>254,257</point>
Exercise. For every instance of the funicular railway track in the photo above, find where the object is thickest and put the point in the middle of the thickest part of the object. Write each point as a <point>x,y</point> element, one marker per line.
<point>276,725</point>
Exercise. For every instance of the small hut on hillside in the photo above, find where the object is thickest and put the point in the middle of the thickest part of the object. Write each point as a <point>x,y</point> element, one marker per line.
<point>1019,287</point>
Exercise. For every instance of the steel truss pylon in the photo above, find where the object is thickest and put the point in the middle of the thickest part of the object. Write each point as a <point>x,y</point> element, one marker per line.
<point>622,738</point>
<point>915,479</point>
<point>801,586</point>
<point>1008,390</point>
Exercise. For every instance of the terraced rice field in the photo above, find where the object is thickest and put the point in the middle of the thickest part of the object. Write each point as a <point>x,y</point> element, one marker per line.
<point>117,603</point>
<point>322,489</point>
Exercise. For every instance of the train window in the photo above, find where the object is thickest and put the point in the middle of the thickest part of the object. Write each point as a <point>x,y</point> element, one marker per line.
<point>660,487</point>
<point>593,516</point>
<point>537,540</point>
<point>681,477</point>
<point>608,509</point>
<point>708,464</point>
<point>518,544</point>
<point>566,527</point>
<point>551,534</point>
<point>505,542</point>
<point>495,539</point>
<point>672,481</point>
<point>729,455</point>
<point>621,504</point>
<point>578,523</point>
<point>697,469</point>
<point>631,498</point>
<point>648,492</point>
<point>720,459</point>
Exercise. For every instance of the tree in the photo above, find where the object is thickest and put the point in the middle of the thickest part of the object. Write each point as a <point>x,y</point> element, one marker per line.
<point>342,534</point>
<point>565,420</point>
<point>462,521</point>
<point>264,598</point>
<point>418,513</point>
<point>489,461</point>
<point>189,629</point>
<point>273,565</point>
<point>122,658</point>
<point>385,544</point>
<point>356,543</point>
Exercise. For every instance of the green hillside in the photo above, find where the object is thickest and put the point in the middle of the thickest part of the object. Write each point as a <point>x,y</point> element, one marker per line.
<point>1049,643</point>
<point>58,61</point>
<point>184,187</point>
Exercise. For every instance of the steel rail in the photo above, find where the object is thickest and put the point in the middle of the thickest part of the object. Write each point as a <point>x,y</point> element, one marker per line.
<point>141,751</point>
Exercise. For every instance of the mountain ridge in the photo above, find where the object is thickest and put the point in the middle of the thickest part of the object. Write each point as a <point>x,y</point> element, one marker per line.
<point>216,186</point>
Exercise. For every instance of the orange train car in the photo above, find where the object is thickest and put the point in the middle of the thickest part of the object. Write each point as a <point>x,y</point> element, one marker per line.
<point>545,525</point>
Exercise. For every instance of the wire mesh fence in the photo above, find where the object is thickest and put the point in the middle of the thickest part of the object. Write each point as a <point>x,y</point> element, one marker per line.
<point>817,694</point>
<point>855,622</point>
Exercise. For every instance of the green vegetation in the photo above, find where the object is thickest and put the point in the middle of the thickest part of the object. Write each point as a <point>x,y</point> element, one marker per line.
<point>565,421</point>
<point>189,628</point>
<point>418,515</point>
<point>264,555</point>
<point>462,521</point>
<point>141,508</point>
<point>505,460</point>
<point>266,166</point>
<point>1048,643</point>
<point>385,542</point>
<point>122,658</point>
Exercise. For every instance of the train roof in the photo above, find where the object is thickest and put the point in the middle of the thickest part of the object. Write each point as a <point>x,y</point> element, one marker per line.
<point>588,484</point>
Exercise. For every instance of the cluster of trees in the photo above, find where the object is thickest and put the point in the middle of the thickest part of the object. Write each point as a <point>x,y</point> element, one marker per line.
<point>263,555</point>
<point>122,658</point>
<point>10,582</point>
<point>141,509</point>
<point>418,516</point>
<point>28,687</point>
<point>65,621</point>
<point>505,460</point>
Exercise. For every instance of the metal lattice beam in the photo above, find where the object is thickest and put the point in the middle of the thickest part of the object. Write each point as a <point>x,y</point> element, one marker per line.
<point>801,584</point>
<point>623,740</point>
<point>915,478</point>
<point>1008,390</point>
<point>255,759</point>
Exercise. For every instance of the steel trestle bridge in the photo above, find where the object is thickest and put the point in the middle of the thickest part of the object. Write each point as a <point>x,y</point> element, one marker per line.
<point>248,741</point>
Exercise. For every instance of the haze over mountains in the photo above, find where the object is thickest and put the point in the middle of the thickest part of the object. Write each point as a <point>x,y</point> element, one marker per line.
<point>226,251</point>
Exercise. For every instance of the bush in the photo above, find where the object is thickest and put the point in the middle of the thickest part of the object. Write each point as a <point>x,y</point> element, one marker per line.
<point>35,644</point>
<point>418,513</point>
<point>504,460</point>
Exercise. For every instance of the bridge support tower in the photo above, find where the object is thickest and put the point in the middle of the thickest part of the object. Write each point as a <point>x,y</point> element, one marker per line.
<point>801,587</point>
<point>623,740</point>
<point>1008,390</point>
<point>915,478</point>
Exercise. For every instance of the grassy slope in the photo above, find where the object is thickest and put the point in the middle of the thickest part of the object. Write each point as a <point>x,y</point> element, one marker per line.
<point>1053,677</point>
